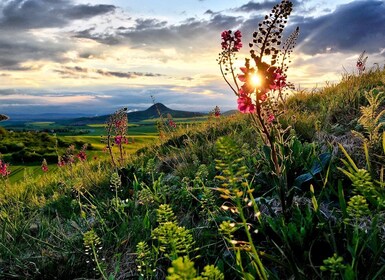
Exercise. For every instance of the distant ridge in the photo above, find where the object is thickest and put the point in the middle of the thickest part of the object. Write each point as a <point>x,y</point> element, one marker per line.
<point>150,113</point>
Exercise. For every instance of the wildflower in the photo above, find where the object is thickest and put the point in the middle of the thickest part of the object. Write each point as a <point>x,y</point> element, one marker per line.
<point>82,155</point>
<point>226,37</point>
<point>247,78</point>
<point>361,62</point>
<point>262,96</point>
<point>171,123</point>
<point>217,111</point>
<point>118,140</point>
<point>231,42</point>
<point>61,162</point>
<point>4,171</point>
<point>237,41</point>
<point>271,118</point>
<point>44,166</point>
<point>245,104</point>
<point>278,80</point>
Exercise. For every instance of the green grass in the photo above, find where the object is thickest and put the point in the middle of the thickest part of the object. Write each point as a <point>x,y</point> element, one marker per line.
<point>207,173</point>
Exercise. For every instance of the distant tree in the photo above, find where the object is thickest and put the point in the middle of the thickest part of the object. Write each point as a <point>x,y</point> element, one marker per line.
<point>3,117</point>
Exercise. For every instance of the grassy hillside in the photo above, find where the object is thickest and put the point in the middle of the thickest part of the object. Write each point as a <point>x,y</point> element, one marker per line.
<point>206,199</point>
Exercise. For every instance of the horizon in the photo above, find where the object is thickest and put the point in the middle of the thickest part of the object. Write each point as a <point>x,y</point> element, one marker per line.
<point>93,57</point>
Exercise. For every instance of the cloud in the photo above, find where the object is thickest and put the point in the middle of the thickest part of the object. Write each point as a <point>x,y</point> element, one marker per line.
<point>352,27</point>
<point>32,14</point>
<point>82,72</point>
<point>154,34</point>
<point>151,23</point>
<point>27,29</point>
<point>257,6</point>
<point>265,5</point>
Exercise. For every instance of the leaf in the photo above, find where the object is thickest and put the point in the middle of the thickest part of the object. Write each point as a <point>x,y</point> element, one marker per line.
<point>318,165</point>
<point>341,198</point>
<point>348,157</point>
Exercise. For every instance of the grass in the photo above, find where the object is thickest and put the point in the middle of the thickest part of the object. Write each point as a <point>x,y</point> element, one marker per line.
<point>206,194</point>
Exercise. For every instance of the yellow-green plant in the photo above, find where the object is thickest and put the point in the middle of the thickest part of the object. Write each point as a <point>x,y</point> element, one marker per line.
<point>145,260</point>
<point>357,207</point>
<point>173,240</point>
<point>183,269</point>
<point>334,264</point>
<point>92,244</point>
<point>238,195</point>
<point>170,240</point>
<point>361,178</point>
<point>371,116</point>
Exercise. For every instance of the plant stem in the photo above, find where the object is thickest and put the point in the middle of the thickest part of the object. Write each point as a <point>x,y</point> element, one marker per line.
<point>260,268</point>
<point>97,263</point>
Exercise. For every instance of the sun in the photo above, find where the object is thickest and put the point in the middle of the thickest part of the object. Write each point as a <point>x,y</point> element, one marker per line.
<point>255,80</point>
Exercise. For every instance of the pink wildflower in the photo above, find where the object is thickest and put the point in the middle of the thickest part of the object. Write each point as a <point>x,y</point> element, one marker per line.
<point>232,42</point>
<point>242,77</point>
<point>237,41</point>
<point>245,104</point>
<point>271,118</point>
<point>82,155</point>
<point>61,162</point>
<point>262,96</point>
<point>118,140</point>
<point>171,123</point>
<point>217,111</point>
<point>278,80</point>
<point>4,171</point>
<point>44,166</point>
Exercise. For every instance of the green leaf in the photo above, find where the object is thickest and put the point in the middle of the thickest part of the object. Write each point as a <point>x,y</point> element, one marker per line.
<point>349,273</point>
<point>341,198</point>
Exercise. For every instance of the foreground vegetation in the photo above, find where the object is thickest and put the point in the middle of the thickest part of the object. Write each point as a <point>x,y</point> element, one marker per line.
<point>175,199</point>
<point>288,190</point>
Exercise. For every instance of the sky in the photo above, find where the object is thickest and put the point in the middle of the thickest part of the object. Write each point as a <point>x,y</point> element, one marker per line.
<point>93,57</point>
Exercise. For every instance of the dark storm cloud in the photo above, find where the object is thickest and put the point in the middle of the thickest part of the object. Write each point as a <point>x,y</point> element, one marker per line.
<point>19,47</point>
<point>82,72</point>
<point>262,6</point>
<point>355,26</point>
<point>21,14</point>
<point>150,33</point>
<point>352,27</point>
<point>17,17</point>
<point>142,24</point>
<point>127,75</point>
<point>256,6</point>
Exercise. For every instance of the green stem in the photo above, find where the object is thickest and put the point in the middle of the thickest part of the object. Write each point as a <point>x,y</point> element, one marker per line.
<point>260,268</point>
<point>224,77</point>
<point>97,263</point>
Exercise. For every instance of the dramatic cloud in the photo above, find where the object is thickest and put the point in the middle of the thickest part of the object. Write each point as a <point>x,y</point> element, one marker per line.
<point>257,6</point>
<point>24,36</point>
<point>32,14</point>
<point>262,6</point>
<point>151,33</point>
<point>105,57</point>
<point>81,72</point>
<point>352,27</point>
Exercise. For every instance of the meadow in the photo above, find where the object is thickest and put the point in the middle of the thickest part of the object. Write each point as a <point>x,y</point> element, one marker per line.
<point>26,144</point>
<point>291,187</point>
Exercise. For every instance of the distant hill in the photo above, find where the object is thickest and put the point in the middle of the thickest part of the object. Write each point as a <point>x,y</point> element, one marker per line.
<point>150,113</point>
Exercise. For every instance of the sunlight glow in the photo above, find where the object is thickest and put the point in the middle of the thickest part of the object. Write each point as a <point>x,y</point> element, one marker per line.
<point>256,80</point>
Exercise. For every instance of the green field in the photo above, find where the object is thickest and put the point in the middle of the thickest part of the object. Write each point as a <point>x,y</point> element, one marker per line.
<point>138,136</point>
